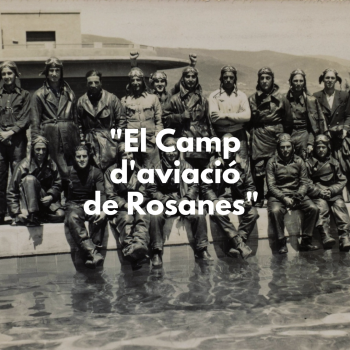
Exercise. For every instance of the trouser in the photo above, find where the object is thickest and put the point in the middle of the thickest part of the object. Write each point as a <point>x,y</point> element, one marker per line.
<point>245,227</point>
<point>259,166</point>
<point>75,221</point>
<point>30,195</point>
<point>132,228</point>
<point>150,158</point>
<point>241,135</point>
<point>340,213</point>
<point>198,227</point>
<point>10,155</point>
<point>276,210</point>
<point>300,138</point>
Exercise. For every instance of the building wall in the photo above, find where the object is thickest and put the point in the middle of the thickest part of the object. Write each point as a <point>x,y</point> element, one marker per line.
<point>15,25</point>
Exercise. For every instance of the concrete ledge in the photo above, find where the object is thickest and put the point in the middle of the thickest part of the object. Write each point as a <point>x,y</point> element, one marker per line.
<point>52,238</point>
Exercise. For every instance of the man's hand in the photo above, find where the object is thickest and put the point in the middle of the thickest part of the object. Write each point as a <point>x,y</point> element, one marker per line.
<point>4,135</point>
<point>100,218</point>
<point>344,134</point>
<point>186,115</point>
<point>134,55</point>
<point>289,202</point>
<point>247,204</point>
<point>309,150</point>
<point>193,59</point>
<point>46,201</point>
<point>326,194</point>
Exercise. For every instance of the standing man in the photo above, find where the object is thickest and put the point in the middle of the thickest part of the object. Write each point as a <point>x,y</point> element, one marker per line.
<point>54,116</point>
<point>159,80</point>
<point>308,118</point>
<point>132,228</point>
<point>35,188</point>
<point>223,191</point>
<point>229,109</point>
<point>143,110</point>
<point>188,113</point>
<point>326,190</point>
<point>14,120</point>
<point>287,182</point>
<point>336,109</point>
<point>271,116</point>
<point>83,180</point>
<point>170,190</point>
<point>100,111</point>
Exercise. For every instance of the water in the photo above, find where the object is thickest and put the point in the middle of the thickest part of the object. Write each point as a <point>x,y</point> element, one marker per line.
<point>299,301</point>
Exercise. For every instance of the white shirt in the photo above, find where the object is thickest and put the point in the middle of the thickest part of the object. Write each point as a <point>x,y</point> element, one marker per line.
<point>330,99</point>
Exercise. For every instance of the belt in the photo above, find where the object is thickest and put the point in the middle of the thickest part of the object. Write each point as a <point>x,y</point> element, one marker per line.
<point>299,127</point>
<point>55,121</point>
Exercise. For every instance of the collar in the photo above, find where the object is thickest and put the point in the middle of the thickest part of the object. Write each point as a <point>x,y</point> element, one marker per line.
<point>273,92</point>
<point>143,94</point>
<point>300,99</point>
<point>280,160</point>
<point>16,89</point>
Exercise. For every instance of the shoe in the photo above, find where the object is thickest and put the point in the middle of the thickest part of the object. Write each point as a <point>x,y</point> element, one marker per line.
<point>135,251</point>
<point>344,243</point>
<point>327,240</point>
<point>239,245</point>
<point>283,246</point>
<point>204,255</point>
<point>306,244</point>
<point>2,219</point>
<point>157,258</point>
<point>95,259</point>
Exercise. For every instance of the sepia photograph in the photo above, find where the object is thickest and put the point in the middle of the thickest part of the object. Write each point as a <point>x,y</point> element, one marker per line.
<point>174,174</point>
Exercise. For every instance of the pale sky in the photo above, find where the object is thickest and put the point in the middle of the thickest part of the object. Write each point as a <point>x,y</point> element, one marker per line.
<point>296,27</point>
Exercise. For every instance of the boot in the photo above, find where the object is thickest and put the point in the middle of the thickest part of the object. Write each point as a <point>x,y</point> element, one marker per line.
<point>157,258</point>
<point>94,257</point>
<point>204,255</point>
<point>344,243</point>
<point>135,251</point>
<point>306,244</point>
<point>239,245</point>
<point>282,246</point>
<point>327,240</point>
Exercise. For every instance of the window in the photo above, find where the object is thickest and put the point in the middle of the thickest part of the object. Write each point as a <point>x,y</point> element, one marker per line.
<point>41,36</point>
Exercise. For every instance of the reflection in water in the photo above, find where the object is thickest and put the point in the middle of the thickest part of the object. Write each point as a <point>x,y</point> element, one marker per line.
<point>292,302</point>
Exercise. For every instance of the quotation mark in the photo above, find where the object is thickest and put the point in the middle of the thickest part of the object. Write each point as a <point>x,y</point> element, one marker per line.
<point>249,196</point>
<point>119,133</point>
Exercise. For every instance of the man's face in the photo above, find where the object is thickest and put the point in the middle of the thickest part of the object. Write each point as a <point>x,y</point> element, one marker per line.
<point>128,156</point>
<point>40,151</point>
<point>298,83</point>
<point>321,150</point>
<point>159,84</point>
<point>285,149</point>
<point>82,158</point>
<point>94,85</point>
<point>136,84</point>
<point>228,80</point>
<point>54,75</point>
<point>265,82</point>
<point>8,76</point>
<point>172,156</point>
<point>190,80</point>
<point>329,80</point>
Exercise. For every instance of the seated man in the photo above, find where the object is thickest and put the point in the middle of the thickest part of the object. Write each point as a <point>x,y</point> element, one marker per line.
<point>325,190</point>
<point>287,184</point>
<point>34,193</point>
<point>178,192</point>
<point>132,229</point>
<point>224,191</point>
<point>83,180</point>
